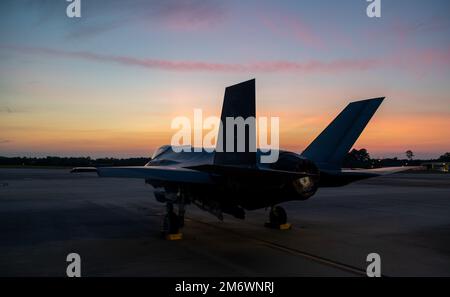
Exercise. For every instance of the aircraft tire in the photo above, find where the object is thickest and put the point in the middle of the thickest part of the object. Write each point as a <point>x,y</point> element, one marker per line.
<point>170,224</point>
<point>278,216</point>
<point>174,223</point>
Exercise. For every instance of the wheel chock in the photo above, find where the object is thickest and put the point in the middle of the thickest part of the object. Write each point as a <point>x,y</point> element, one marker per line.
<point>286,226</point>
<point>176,236</point>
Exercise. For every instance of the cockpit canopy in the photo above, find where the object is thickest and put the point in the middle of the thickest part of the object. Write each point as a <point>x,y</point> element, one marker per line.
<point>160,150</point>
<point>158,153</point>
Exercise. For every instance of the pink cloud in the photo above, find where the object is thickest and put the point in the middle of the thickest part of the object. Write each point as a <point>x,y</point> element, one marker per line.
<point>174,15</point>
<point>293,28</point>
<point>413,60</point>
<point>261,66</point>
<point>404,31</point>
<point>191,14</point>
<point>420,62</point>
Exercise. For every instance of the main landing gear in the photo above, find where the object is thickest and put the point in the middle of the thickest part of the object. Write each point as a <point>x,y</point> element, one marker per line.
<point>172,223</point>
<point>278,219</point>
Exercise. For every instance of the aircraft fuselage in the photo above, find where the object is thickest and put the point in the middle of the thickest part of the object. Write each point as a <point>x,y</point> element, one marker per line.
<point>244,188</point>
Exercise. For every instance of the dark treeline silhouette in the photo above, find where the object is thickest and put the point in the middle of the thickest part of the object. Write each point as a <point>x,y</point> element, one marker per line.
<point>71,161</point>
<point>355,159</point>
<point>444,158</point>
<point>361,159</point>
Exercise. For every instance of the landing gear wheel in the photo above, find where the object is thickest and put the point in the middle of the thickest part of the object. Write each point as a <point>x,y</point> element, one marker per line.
<point>277,216</point>
<point>181,220</point>
<point>171,223</point>
<point>181,212</point>
<point>174,223</point>
<point>278,219</point>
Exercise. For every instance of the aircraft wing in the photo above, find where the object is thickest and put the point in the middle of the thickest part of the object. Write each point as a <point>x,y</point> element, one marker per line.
<point>337,178</point>
<point>162,173</point>
<point>236,171</point>
<point>383,170</point>
<point>193,174</point>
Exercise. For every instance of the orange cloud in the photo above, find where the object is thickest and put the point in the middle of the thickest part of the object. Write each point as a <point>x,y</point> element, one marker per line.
<point>385,133</point>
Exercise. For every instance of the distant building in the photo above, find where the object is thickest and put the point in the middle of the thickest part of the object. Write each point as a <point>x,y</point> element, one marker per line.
<point>437,166</point>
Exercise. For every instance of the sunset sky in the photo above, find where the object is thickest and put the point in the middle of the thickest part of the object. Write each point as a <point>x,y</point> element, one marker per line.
<point>109,83</point>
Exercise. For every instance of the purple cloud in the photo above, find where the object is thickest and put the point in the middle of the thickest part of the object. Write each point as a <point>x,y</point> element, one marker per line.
<point>413,60</point>
<point>176,15</point>
<point>293,28</point>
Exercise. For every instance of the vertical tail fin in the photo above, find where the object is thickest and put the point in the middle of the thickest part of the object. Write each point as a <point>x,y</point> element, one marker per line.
<point>331,146</point>
<point>239,101</point>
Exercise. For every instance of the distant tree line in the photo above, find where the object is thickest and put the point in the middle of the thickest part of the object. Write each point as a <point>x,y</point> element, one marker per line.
<point>444,158</point>
<point>361,159</point>
<point>71,161</point>
<point>354,159</point>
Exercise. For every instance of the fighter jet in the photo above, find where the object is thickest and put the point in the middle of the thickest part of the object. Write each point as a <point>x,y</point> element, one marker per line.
<point>237,181</point>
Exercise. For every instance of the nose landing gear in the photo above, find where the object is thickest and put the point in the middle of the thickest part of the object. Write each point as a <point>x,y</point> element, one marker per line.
<point>172,223</point>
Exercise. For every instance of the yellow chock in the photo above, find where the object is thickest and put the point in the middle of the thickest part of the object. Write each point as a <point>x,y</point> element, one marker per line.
<point>286,226</point>
<point>177,236</point>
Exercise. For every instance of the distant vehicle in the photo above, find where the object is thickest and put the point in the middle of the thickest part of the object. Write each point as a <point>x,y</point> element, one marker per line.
<point>437,166</point>
<point>235,182</point>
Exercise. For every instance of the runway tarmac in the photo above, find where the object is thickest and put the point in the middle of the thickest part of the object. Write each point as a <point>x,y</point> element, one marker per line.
<point>114,225</point>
